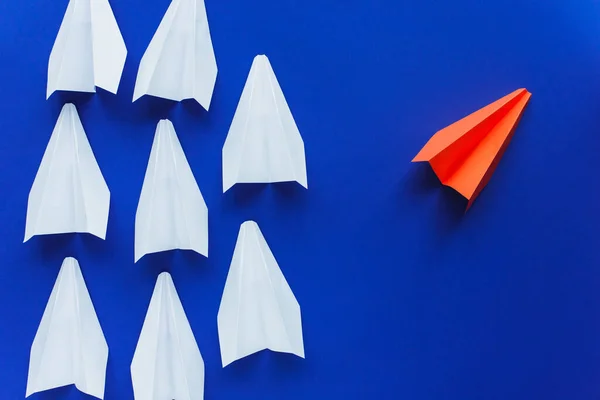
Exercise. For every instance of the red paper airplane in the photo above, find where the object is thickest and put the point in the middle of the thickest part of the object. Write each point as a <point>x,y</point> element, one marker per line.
<point>465,154</point>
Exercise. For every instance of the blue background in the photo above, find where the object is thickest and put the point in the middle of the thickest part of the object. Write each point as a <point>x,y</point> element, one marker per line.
<point>403,295</point>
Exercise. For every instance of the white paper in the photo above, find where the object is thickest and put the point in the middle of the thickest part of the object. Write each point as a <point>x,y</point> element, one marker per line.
<point>263,144</point>
<point>89,50</point>
<point>171,212</point>
<point>69,346</point>
<point>258,309</point>
<point>179,62</point>
<point>167,363</point>
<point>69,193</point>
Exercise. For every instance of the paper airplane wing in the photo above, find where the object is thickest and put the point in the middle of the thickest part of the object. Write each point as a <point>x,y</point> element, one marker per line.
<point>465,154</point>
<point>69,193</point>
<point>171,212</point>
<point>179,62</point>
<point>89,50</point>
<point>258,309</point>
<point>263,144</point>
<point>69,346</point>
<point>167,363</point>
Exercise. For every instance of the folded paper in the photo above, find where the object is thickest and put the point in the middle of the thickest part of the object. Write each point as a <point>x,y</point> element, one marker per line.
<point>258,309</point>
<point>69,346</point>
<point>465,154</point>
<point>171,212</point>
<point>167,363</point>
<point>89,50</point>
<point>263,144</point>
<point>69,193</point>
<point>179,62</point>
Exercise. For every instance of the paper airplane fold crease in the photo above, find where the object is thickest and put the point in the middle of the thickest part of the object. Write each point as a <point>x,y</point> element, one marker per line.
<point>69,346</point>
<point>179,62</point>
<point>69,193</point>
<point>465,154</point>
<point>263,144</point>
<point>171,212</point>
<point>89,50</point>
<point>167,363</point>
<point>258,309</point>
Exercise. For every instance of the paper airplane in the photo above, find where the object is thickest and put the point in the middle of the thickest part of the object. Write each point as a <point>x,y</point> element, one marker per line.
<point>171,212</point>
<point>69,346</point>
<point>179,62</point>
<point>464,155</point>
<point>263,144</point>
<point>167,363</point>
<point>69,193</point>
<point>89,50</point>
<point>258,309</point>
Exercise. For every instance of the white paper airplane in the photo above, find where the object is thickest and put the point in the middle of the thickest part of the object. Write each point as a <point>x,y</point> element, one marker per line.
<point>179,62</point>
<point>69,193</point>
<point>258,309</point>
<point>263,144</point>
<point>171,212</point>
<point>167,363</point>
<point>89,50</point>
<point>69,346</point>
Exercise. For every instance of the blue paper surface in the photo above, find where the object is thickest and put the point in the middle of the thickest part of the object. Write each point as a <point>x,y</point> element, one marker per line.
<point>403,295</point>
